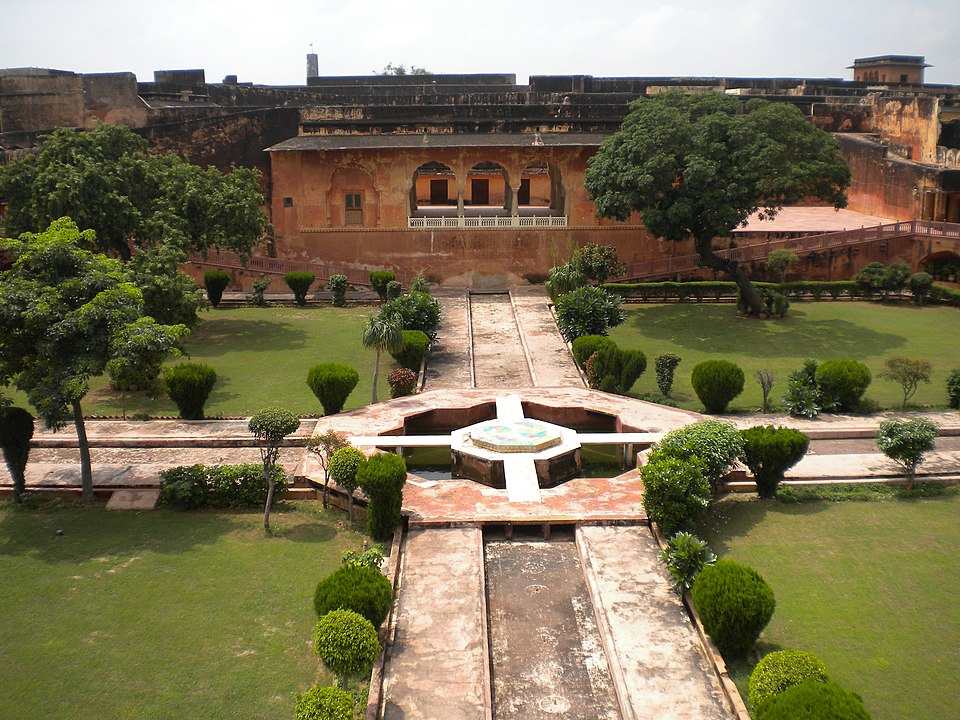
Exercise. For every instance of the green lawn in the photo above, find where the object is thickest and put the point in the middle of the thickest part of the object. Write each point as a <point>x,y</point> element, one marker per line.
<point>161,614</point>
<point>869,587</point>
<point>261,356</point>
<point>869,332</point>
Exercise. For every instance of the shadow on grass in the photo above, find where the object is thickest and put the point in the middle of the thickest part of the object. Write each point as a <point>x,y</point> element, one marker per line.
<point>735,515</point>
<point>225,335</point>
<point>710,329</point>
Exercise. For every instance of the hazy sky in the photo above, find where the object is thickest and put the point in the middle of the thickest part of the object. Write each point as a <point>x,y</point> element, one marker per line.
<point>266,42</point>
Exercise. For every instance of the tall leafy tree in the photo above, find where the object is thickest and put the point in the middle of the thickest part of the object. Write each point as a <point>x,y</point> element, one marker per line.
<point>699,166</point>
<point>382,332</point>
<point>106,181</point>
<point>63,310</point>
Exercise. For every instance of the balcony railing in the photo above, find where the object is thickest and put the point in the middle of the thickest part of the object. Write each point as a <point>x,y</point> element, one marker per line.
<point>496,221</point>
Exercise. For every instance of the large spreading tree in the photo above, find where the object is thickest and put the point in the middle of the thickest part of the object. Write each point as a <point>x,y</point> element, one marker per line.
<point>64,313</point>
<point>107,182</point>
<point>699,165</point>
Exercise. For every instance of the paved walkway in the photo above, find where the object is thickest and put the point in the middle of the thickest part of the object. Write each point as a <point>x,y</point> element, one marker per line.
<point>438,664</point>
<point>660,666</point>
<point>449,365</point>
<point>551,361</point>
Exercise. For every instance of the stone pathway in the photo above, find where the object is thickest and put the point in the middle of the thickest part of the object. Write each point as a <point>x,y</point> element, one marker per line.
<point>551,361</point>
<point>449,364</point>
<point>438,663</point>
<point>499,358</point>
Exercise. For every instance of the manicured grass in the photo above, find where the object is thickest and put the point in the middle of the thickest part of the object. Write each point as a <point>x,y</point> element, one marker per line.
<point>869,587</point>
<point>161,614</point>
<point>869,332</point>
<point>262,356</point>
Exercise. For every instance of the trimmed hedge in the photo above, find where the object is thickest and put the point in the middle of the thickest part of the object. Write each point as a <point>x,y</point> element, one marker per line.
<point>675,491</point>
<point>16,430</point>
<point>769,452</point>
<point>842,381</point>
<point>299,281</point>
<point>812,700</point>
<point>338,286</point>
<point>216,282</point>
<point>332,384</point>
<point>189,385</point>
<point>586,345</point>
<point>716,383</point>
<point>783,669</point>
<point>362,589</point>
<point>614,370</point>
<point>713,443</point>
<point>346,643</point>
<point>735,604</point>
<point>188,487</point>
<point>382,478</point>
<point>416,343</point>
<point>324,703</point>
<point>379,279</point>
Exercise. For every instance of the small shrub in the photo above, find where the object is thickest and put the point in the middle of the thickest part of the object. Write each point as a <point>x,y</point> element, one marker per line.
<point>215,281</point>
<point>813,700</point>
<point>420,284</point>
<point>598,262</point>
<point>416,343</point>
<point>16,430</point>
<point>920,284</point>
<point>188,487</point>
<point>346,643</point>
<point>417,311</point>
<point>382,478</point>
<point>783,669</point>
<point>338,286</point>
<point>715,444</point>
<point>675,491</point>
<point>364,590</point>
<point>563,279</point>
<point>184,487</point>
<point>844,381</point>
<point>257,298</point>
<point>299,282</point>
<point>402,382</point>
<point>588,311</point>
<point>189,385</point>
<point>769,452</point>
<point>895,278</point>
<point>332,384</point>
<point>586,345</point>
<point>779,261</point>
<point>324,703</point>
<point>735,604</point>
<point>803,397</point>
<point>953,388</point>
<point>665,365</point>
<point>907,441</point>
<point>371,557</point>
<point>716,383</point>
<point>394,290</point>
<point>870,279</point>
<point>685,556</point>
<point>379,279</point>
<point>766,378</point>
<point>615,370</point>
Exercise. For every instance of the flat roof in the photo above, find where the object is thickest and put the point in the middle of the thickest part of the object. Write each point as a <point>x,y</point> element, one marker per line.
<point>306,143</point>
<point>812,219</point>
<point>887,59</point>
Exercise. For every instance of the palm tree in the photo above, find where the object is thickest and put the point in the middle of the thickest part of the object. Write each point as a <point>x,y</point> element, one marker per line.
<point>382,332</point>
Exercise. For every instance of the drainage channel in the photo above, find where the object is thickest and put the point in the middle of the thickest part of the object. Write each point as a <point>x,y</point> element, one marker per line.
<point>499,358</point>
<point>547,658</point>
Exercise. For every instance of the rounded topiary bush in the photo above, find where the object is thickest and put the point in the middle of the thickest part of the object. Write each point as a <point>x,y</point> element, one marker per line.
<point>216,282</point>
<point>402,382</point>
<point>812,700</point>
<point>362,589</point>
<point>379,279</point>
<point>417,311</point>
<point>843,381</point>
<point>346,643</point>
<point>716,383</point>
<point>769,452</point>
<point>588,310</point>
<point>332,384</point>
<point>415,346</point>
<point>735,604</point>
<point>189,385</point>
<point>675,491</point>
<point>586,345</point>
<point>299,281</point>
<point>324,703</point>
<point>783,669</point>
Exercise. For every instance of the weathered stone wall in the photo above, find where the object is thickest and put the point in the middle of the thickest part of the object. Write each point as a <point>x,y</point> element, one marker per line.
<point>41,101</point>
<point>910,121</point>
<point>112,98</point>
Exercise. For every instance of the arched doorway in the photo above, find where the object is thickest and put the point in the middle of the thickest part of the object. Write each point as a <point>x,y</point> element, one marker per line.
<point>434,186</point>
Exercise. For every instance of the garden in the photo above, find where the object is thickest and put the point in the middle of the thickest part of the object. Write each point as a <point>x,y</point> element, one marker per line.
<point>163,614</point>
